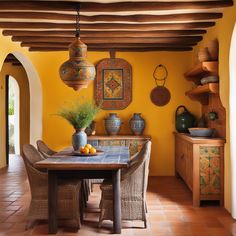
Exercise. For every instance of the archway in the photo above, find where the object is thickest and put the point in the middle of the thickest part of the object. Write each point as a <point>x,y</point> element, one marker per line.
<point>36,98</point>
<point>232,105</point>
<point>35,104</point>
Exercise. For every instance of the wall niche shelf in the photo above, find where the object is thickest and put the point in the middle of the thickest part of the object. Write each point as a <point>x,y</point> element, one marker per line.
<point>201,70</point>
<point>195,74</point>
<point>201,92</point>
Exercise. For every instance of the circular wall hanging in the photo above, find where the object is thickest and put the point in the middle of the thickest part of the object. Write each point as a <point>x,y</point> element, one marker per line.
<point>160,95</point>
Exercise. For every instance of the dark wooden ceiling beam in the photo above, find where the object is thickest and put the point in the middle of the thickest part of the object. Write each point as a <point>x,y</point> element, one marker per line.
<point>190,39</point>
<point>108,26</point>
<point>121,34</point>
<point>48,49</point>
<point>112,18</point>
<point>105,46</point>
<point>111,7</point>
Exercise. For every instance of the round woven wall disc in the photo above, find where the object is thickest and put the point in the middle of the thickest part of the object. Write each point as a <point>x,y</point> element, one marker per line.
<point>160,96</point>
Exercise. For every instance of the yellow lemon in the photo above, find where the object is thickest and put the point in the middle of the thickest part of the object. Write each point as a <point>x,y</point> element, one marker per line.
<point>92,150</point>
<point>86,150</point>
<point>88,146</point>
<point>81,150</point>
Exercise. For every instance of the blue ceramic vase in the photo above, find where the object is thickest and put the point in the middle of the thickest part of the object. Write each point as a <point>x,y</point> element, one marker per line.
<point>112,124</point>
<point>79,139</point>
<point>137,124</point>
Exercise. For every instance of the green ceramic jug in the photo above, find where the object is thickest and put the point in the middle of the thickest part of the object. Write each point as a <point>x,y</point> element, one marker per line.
<point>183,120</point>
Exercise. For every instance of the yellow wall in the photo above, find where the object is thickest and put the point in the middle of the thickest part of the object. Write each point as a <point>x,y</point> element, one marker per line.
<point>223,31</point>
<point>19,74</point>
<point>160,120</point>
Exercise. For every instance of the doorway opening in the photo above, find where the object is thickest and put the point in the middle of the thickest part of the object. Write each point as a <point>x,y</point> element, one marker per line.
<point>17,107</point>
<point>13,116</point>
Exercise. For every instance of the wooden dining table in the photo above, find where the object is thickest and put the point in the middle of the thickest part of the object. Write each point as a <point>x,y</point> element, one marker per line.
<point>66,165</point>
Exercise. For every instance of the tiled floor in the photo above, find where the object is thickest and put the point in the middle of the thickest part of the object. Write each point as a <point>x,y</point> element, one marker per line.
<point>169,211</point>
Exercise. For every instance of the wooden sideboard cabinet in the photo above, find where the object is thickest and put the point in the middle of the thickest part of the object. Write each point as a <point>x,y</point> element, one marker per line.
<point>134,142</point>
<point>200,163</point>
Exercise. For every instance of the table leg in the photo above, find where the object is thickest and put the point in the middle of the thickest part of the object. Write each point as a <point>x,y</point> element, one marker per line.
<point>52,202</point>
<point>116,202</point>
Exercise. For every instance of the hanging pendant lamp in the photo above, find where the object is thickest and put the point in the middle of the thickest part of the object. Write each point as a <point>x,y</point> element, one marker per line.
<point>77,72</point>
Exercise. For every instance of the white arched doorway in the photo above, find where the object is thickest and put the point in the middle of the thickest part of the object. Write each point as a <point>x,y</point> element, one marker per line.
<point>36,98</point>
<point>35,105</point>
<point>232,108</point>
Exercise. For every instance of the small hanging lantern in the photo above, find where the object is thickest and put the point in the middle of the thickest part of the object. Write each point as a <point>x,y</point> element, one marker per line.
<point>77,72</point>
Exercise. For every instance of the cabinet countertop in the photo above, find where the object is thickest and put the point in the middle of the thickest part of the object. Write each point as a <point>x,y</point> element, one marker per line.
<point>200,140</point>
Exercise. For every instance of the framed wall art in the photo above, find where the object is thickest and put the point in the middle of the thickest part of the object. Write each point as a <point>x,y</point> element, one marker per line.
<point>113,84</point>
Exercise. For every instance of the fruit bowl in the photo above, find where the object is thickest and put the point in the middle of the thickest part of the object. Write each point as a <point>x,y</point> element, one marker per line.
<point>79,153</point>
<point>201,132</point>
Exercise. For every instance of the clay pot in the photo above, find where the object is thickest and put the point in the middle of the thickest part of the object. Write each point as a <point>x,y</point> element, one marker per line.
<point>213,49</point>
<point>137,124</point>
<point>203,55</point>
<point>112,124</point>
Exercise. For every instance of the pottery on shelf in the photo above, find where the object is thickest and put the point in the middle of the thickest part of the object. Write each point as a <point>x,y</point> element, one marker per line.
<point>137,124</point>
<point>213,49</point>
<point>112,124</point>
<point>210,79</point>
<point>203,55</point>
<point>212,115</point>
<point>79,139</point>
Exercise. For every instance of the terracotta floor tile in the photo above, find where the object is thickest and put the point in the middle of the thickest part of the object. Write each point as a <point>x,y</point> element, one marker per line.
<point>218,232</point>
<point>6,225</point>
<point>161,231</point>
<point>170,211</point>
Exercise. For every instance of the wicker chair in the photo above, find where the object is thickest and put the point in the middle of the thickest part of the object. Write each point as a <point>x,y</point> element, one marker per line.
<point>44,149</point>
<point>46,152</point>
<point>68,192</point>
<point>133,189</point>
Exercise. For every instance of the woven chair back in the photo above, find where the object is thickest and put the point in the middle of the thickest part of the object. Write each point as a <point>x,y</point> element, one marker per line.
<point>44,149</point>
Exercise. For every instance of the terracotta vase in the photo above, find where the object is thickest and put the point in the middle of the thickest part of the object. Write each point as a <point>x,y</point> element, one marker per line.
<point>213,48</point>
<point>203,55</point>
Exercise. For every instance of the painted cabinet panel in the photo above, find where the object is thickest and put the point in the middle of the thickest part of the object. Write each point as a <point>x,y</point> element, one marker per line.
<point>200,163</point>
<point>209,170</point>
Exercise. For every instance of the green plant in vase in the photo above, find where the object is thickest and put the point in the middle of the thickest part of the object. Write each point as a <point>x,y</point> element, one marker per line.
<point>79,114</point>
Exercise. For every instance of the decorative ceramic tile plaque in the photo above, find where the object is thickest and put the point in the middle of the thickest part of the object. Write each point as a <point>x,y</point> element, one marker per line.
<point>113,84</point>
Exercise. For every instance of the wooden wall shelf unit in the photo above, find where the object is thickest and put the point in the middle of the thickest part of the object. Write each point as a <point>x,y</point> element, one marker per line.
<point>134,142</point>
<point>200,163</point>
<point>195,74</point>
<point>201,92</point>
<point>208,95</point>
<point>201,70</point>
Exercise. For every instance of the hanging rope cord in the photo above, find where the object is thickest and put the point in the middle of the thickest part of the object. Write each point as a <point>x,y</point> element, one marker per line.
<point>162,78</point>
<point>77,26</point>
